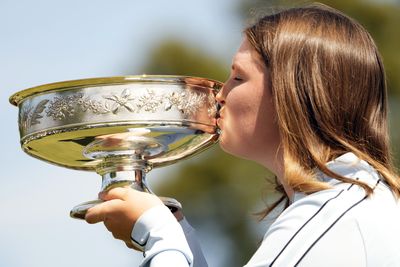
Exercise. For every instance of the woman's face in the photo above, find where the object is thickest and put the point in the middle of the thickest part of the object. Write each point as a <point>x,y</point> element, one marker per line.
<point>247,117</point>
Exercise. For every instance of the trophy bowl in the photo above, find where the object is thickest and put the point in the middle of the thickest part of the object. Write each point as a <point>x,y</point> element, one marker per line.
<point>119,127</point>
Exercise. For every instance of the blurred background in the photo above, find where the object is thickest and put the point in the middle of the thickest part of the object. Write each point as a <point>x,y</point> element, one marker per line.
<point>45,41</point>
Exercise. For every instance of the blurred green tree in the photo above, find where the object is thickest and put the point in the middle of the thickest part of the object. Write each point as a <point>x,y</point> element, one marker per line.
<point>174,57</point>
<point>221,192</point>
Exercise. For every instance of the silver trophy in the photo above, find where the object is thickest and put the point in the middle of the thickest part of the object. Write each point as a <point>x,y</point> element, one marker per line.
<point>120,127</point>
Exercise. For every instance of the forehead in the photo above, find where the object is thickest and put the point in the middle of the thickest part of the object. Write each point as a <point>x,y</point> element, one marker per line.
<point>246,54</point>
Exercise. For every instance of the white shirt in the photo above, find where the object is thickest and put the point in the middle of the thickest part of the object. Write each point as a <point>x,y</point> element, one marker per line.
<point>336,227</point>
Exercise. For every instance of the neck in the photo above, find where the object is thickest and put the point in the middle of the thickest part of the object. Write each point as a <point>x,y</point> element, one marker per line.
<point>276,166</point>
<point>279,172</point>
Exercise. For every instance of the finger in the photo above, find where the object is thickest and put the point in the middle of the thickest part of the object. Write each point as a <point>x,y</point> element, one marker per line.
<point>97,213</point>
<point>115,193</point>
<point>116,235</point>
<point>130,245</point>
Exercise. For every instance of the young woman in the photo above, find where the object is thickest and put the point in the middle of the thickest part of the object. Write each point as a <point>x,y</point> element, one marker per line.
<point>306,98</point>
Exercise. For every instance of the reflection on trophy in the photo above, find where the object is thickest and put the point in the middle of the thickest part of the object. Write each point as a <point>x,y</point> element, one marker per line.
<point>120,127</point>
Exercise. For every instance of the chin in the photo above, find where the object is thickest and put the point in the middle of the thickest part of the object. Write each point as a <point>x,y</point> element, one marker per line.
<point>224,144</point>
<point>233,150</point>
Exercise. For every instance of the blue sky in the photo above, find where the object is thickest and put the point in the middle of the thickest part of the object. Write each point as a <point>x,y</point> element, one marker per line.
<point>45,41</point>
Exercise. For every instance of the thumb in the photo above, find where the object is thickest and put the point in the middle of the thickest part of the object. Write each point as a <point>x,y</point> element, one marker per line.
<point>115,193</point>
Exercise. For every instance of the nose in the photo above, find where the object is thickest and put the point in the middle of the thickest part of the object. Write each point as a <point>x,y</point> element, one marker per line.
<point>220,97</point>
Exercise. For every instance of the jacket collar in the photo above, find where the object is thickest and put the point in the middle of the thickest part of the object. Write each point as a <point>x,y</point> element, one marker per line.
<point>349,166</point>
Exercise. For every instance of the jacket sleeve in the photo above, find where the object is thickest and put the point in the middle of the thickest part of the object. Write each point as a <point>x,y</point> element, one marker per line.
<point>167,242</point>
<point>190,233</point>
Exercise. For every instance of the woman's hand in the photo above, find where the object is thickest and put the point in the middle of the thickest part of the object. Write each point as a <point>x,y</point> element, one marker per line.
<point>120,211</point>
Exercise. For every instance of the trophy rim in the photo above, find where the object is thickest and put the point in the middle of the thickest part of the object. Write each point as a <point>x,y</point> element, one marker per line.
<point>18,97</point>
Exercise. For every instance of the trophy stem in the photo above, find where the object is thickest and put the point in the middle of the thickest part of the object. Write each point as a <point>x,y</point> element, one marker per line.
<point>117,172</point>
<point>122,172</point>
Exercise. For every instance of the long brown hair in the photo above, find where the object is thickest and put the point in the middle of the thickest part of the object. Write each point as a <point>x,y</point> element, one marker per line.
<point>329,90</point>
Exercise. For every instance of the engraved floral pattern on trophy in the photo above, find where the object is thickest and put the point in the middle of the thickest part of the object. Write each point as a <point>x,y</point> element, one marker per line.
<point>30,116</point>
<point>61,107</point>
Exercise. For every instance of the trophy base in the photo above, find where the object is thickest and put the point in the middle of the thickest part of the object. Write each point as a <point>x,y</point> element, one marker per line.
<point>79,211</point>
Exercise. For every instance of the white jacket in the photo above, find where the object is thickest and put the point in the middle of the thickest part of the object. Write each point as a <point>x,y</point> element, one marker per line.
<point>336,227</point>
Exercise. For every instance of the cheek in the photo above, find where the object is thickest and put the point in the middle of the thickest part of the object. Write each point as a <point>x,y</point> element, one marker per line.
<point>250,130</point>
<point>238,128</point>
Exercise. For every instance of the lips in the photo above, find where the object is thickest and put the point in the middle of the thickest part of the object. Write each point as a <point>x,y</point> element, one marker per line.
<point>219,120</point>
<point>219,116</point>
